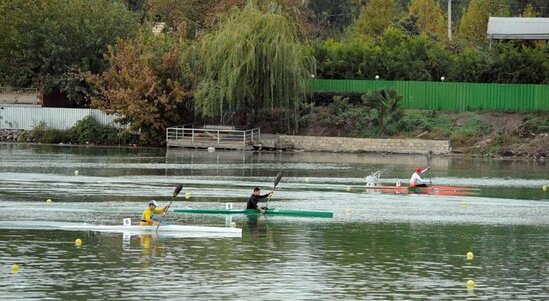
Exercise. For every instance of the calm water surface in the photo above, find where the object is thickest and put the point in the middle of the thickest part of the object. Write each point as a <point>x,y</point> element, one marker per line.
<point>377,246</point>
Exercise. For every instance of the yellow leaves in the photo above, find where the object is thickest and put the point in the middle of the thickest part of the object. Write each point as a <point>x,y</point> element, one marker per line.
<point>430,17</point>
<point>375,17</point>
<point>146,84</point>
<point>474,22</point>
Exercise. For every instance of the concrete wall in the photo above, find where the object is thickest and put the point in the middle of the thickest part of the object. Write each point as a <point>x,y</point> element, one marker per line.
<point>345,144</point>
<point>19,97</point>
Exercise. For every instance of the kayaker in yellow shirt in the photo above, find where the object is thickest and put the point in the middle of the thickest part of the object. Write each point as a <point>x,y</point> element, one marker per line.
<point>148,217</point>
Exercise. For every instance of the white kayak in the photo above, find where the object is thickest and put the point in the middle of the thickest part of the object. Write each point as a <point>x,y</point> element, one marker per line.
<point>166,230</point>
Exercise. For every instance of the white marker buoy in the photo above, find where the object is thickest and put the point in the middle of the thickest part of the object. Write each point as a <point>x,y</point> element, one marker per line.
<point>187,195</point>
<point>76,172</point>
<point>48,201</point>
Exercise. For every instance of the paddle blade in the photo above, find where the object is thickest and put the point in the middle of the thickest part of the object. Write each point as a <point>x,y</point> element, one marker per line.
<point>277,179</point>
<point>429,156</point>
<point>177,190</point>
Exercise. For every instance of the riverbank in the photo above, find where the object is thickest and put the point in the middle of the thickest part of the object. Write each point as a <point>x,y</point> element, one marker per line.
<point>488,134</point>
<point>496,135</point>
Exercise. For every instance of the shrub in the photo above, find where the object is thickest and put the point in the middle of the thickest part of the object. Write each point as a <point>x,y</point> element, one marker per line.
<point>55,136</point>
<point>385,103</point>
<point>87,130</point>
<point>534,124</point>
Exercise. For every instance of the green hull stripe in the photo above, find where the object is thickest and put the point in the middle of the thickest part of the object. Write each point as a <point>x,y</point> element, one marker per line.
<point>252,211</point>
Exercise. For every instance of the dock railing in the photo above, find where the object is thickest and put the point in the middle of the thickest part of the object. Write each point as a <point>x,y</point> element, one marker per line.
<point>211,136</point>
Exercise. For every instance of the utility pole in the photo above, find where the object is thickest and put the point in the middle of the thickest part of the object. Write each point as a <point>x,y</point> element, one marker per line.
<point>450,20</point>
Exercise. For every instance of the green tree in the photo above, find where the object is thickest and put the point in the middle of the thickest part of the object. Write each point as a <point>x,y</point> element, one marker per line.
<point>475,20</point>
<point>44,42</point>
<point>429,16</point>
<point>253,61</point>
<point>530,11</point>
<point>375,17</point>
<point>385,104</point>
<point>146,85</point>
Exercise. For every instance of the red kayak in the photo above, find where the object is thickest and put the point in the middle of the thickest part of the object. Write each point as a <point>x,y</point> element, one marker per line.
<point>434,190</point>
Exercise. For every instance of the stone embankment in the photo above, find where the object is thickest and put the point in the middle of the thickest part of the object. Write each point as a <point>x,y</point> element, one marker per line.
<point>8,135</point>
<point>351,145</point>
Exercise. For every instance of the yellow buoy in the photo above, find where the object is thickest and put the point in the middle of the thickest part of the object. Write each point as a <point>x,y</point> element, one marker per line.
<point>233,224</point>
<point>76,172</point>
<point>470,255</point>
<point>348,211</point>
<point>348,188</point>
<point>470,283</point>
<point>464,203</point>
<point>78,242</point>
<point>48,201</point>
<point>187,195</point>
<point>306,180</point>
<point>544,188</point>
<point>14,268</point>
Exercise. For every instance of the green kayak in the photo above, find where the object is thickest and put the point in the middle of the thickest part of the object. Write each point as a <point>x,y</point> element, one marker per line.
<point>252,211</point>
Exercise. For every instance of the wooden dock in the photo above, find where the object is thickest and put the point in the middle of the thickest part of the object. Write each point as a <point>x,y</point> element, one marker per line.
<point>216,136</point>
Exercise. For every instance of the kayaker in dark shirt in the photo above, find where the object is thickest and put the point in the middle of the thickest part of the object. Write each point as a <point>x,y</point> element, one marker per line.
<point>254,199</point>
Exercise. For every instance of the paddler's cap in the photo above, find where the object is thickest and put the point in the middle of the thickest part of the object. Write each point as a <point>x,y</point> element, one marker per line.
<point>418,169</point>
<point>153,202</point>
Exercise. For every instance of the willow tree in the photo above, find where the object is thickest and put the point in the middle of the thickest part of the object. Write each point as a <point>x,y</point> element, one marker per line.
<point>252,62</point>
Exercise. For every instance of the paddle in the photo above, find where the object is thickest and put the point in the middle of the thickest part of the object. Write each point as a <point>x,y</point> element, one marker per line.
<point>277,180</point>
<point>175,193</point>
<point>429,156</point>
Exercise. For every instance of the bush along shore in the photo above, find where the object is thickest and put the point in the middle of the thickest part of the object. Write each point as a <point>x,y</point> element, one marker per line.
<point>85,131</point>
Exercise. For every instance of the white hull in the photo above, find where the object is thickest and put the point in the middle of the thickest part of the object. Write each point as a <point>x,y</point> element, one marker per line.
<point>223,231</point>
<point>166,230</point>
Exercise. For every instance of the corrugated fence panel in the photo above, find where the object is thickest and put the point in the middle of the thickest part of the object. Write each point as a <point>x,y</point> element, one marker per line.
<point>26,117</point>
<point>449,96</point>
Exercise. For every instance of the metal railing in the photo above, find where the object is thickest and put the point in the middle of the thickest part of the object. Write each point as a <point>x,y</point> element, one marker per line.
<point>220,136</point>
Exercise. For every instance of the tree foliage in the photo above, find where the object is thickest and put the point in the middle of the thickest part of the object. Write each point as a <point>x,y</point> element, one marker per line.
<point>529,11</point>
<point>429,16</point>
<point>254,60</point>
<point>386,106</point>
<point>375,17</point>
<point>475,20</point>
<point>393,56</point>
<point>44,42</point>
<point>145,85</point>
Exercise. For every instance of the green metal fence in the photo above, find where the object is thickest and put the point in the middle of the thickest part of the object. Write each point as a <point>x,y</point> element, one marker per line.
<point>448,96</point>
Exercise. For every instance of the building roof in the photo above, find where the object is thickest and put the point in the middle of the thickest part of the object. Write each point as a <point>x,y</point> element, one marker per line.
<point>518,28</point>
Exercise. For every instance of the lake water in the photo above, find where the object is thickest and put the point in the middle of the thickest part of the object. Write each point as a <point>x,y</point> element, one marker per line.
<point>377,246</point>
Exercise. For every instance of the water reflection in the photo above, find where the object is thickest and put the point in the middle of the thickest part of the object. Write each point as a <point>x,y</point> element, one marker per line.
<point>257,225</point>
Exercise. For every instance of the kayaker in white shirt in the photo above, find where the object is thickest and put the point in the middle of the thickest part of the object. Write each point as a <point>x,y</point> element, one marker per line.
<point>417,181</point>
